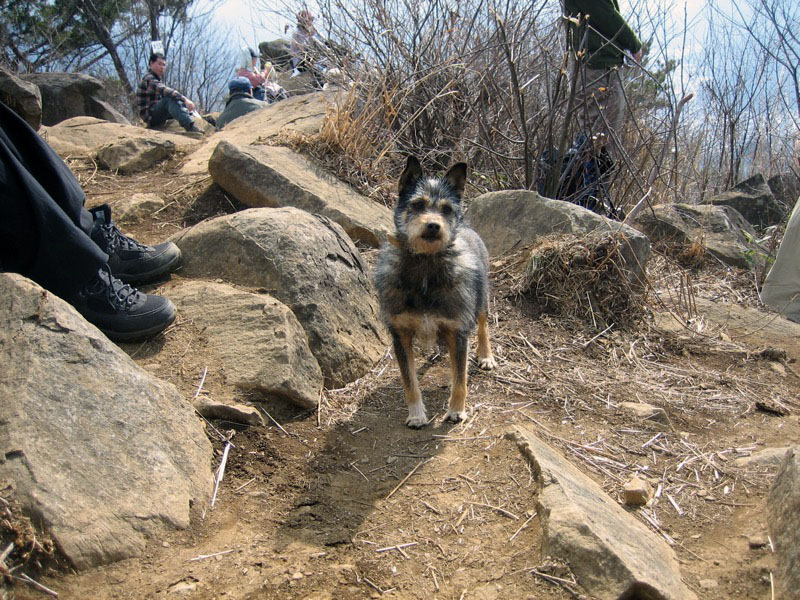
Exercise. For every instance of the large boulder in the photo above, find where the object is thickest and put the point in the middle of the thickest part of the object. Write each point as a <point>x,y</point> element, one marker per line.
<point>276,52</point>
<point>786,188</point>
<point>301,115</point>
<point>783,517</point>
<point>611,553</point>
<point>87,136</point>
<point>307,262</point>
<point>275,176</point>
<point>67,95</point>
<point>259,342</point>
<point>102,454</point>
<point>512,219</point>
<point>22,97</point>
<point>753,199</point>
<point>720,230</point>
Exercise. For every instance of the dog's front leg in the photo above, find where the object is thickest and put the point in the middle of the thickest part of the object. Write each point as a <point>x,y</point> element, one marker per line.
<point>458,348</point>
<point>404,352</point>
<point>486,360</point>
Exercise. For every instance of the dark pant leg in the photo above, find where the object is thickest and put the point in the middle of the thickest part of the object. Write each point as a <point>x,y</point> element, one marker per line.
<point>169,108</point>
<point>43,225</point>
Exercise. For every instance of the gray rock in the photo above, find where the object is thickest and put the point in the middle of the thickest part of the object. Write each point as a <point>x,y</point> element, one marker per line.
<point>719,229</point>
<point>67,95</point>
<point>103,110</point>
<point>783,518</point>
<point>786,189</point>
<point>753,199</point>
<point>308,263</point>
<point>276,52</point>
<point>135,208</point>
<point>637,492</point>
<point>103,454</point>
<point>768,457</point>
<point>512,219</point>
<point>85,136</point>
<point>646,412</point>
<point>259,342</point>
<point>233,413</point>
<point>274,176</point>
<point>134,155</point>
<point>610,552</point>
<point>23,97</point>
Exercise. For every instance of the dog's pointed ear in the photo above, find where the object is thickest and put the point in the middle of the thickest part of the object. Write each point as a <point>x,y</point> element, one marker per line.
<point>411,174</point>
<point>456,177</point>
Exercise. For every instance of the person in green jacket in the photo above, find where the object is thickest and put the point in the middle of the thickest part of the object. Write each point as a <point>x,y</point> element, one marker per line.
<point>600,38</point>
<point>240,102</point>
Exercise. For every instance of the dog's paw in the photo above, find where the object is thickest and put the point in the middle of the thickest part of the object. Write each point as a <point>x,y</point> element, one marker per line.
<point>416,417</point>
<point>487,364</point>
<point>456,416</point>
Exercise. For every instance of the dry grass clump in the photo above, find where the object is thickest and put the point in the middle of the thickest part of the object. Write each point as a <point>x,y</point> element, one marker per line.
<point>354,146</point>
<point>583,278</point>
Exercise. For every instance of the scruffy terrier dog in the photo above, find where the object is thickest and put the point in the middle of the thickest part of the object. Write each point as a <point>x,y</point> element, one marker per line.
<point>433,284</point>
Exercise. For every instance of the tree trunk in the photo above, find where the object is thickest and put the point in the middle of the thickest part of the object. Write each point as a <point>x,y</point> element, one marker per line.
<point>104,37</point>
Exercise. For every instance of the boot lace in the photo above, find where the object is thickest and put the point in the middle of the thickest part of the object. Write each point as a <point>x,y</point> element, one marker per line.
<point>120,295</point>
<point>115,239</point>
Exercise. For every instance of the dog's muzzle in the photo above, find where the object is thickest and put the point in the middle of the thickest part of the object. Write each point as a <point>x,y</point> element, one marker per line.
<point>431,231</point>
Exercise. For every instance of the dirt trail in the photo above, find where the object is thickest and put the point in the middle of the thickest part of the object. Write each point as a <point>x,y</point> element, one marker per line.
<point>349,503</point>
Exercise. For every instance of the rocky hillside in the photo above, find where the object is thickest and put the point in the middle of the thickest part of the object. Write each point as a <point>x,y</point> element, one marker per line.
<point>638,438</point>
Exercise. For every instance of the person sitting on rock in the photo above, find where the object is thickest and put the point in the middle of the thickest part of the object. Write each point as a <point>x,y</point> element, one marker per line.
<point>306,48</point>
<point>47,235</point>
<point>157,103</point>
<point>240,102</point>
<point>264,88</point>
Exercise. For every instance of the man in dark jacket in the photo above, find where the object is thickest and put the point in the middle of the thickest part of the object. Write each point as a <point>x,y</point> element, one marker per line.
<point>240,103</point>
<point>600,38</point>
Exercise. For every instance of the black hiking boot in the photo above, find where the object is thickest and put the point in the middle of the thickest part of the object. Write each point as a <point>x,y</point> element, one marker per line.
<point>129,260</point>
<point>121,312</point>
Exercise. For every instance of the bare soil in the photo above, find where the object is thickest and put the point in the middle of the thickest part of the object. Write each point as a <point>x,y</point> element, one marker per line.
<point>347,502</point>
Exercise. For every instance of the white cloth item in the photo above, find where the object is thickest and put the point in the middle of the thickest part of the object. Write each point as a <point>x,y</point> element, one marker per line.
<point>781,290</point>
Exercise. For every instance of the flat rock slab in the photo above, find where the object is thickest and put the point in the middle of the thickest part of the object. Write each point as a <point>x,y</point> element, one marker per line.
<point>260,344</point>
<point>783,517</point>
<point>750,325</point>
<point>274,176</point>
<point>102,454</point>
<point>134,155</point>
<point>610,552</point>
<point>721,230</point>
<point>307,262</point>
<point>85,136</point>
<point>767,457</point>
<point>299,114</point>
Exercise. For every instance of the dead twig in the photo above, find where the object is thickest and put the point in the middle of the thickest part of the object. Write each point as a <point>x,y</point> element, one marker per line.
<point>414,470</point>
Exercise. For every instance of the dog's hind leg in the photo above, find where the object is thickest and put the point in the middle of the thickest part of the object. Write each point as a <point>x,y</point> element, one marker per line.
<point>458,348</point>
<point>404,352</point>
<point>486,360</point>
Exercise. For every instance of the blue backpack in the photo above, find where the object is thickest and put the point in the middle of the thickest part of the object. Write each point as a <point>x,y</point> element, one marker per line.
<point>582,179</point>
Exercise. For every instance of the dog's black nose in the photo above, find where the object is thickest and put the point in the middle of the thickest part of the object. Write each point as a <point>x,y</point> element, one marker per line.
<point>432,229</point>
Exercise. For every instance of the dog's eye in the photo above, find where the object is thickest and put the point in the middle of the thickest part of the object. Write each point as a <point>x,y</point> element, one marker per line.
<point>418,205</point>
<point>447,210</point>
